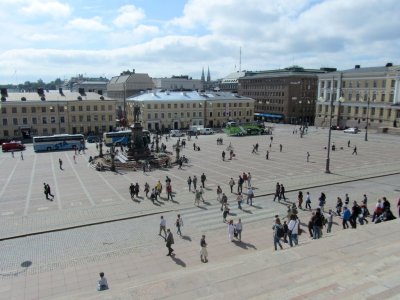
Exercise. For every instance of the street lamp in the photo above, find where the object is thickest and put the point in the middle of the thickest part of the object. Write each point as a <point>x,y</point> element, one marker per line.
<point>340,100</point>
<point>366,126</point>
<point>327,170</point>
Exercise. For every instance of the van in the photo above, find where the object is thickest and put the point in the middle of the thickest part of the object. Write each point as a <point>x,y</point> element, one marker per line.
<point>207,131</point>
<point>12,146</point>
<point>176,133</point>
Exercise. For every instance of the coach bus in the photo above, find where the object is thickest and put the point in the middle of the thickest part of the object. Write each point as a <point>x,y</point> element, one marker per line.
<point>123,137</point>
<point>59,142</point>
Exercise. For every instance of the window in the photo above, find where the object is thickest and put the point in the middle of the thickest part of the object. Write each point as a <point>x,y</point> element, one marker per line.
<point>156,115</point>
<point>15,121</point>
<point>53,131</point>
<point>5,132</point>
<point>62,119</point>
<point>169,105</point>
<point>358,84</point>
<point>110,107</point>
<point>3,110</point>
<point>383,97</point>
<point>25,121</point>
<point>51,109</point>
<point>194,105</point>
<point>34,120</point>
<point>392,84</point>
<point>103,117</point>
<point>348,109</point>
<point>188,114</point>
<point>95,108</point>
<point>155,106</point>
<point>162,115</point>
<point>95,118</point>
<point>80,118</point>
<point>373,111</point>
<point>169,115</point>
<point>162,105</point>
<point>364,111</point>
<point>87,107</point>
<point>381,112</point>
<point>350,84</point>
<point>384,83</point>
<point>110,118</point>
<point>14,110</point>
<point>5,122</point>
<point>103,108</point>
<point>44,120</point>
<point>391,98</point>
<point>73,118</point>
<point>52,120</point>
<point>194,114</point>
<point>375,84</point>
<point>350,96</point>
<point>200,114</point>
<point>373,96</point>
<point>23,110</point>
<point>72,108</point>
<point>365,97</point>
<point>88,118</point>
<point>343,84</point>
<point>149,116</point>
<point>366,84</point>
<point>80,108</point>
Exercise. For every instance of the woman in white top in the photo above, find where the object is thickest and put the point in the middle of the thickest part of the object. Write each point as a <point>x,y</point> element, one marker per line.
<point>231,230</point>
<point>293,227</point>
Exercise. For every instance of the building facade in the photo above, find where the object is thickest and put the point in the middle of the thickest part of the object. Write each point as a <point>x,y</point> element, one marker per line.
<point>284,95</point>
<point>180,110</point>
<point>24,115</point>
<point>178,83</point>
<point>230,83</point>
<point>359,94</point>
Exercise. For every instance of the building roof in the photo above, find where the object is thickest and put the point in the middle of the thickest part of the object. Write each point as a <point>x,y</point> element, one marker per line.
<point>233,77</point>
<point>53,96</point>
<point>287,72</point>
<point>186,96</point>
<point>367,70</point>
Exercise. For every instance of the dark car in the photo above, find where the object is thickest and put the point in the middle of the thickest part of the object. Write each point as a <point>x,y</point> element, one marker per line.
<point>93,139</point>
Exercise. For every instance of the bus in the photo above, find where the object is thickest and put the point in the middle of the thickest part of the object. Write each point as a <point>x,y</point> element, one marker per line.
<point>59,142</point>
<point>122,138</point>
<point>119,138</point>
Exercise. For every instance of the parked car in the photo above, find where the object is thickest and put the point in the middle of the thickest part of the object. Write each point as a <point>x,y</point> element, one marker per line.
<point>206,131</point>
<point>353,130</point>
<point>176,133</point>
<point>12,146</point>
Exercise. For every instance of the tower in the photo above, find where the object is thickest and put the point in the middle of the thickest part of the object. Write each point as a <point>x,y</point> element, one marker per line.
<point>208,75</point>
<point>202,75</point>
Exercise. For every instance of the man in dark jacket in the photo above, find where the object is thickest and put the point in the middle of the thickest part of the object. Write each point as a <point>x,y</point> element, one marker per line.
<point>169,241</point>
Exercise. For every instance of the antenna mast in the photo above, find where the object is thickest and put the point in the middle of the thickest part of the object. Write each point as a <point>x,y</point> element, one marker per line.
<point>240,59</point>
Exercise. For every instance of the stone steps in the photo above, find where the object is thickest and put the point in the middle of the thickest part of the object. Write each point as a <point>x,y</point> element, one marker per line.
<point>352,264</point>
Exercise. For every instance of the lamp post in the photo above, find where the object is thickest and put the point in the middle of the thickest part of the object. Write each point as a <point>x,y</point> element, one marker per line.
<point>327,167</point>
<point>366,126</point>
<point>340,100</point>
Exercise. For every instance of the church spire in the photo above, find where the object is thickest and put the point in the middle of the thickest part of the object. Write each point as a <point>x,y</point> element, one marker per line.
<point>202,75</point>
<point>208,75</point>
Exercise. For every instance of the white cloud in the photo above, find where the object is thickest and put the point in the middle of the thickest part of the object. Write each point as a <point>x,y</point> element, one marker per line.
<point>40,37</point>
<point>145,31</point>
<point>50,8</point>
<point>93,24</point>
<point>129,15</point>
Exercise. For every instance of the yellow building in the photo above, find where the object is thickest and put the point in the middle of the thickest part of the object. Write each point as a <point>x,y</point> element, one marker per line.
<point>358,95</point>
<point>25,115</point>
<point>180,110</point>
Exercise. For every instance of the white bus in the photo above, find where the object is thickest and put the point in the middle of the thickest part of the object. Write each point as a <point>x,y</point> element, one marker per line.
<point>59,142</point>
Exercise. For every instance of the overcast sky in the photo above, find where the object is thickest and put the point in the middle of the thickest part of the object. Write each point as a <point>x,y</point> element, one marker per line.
<point>51,39</point>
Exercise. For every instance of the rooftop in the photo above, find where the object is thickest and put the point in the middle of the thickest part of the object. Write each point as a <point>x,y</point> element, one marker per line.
<point>52,95</point>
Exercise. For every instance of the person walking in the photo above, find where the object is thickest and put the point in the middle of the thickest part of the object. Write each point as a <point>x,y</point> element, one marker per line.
<point>239,200</point>
<point>308,201</point>
<point>278,233</point>
<point>224,200</point>
<point>163,224</point>
<point>322,201</point>
<point>308,156</point>
<point>74,157</point>
<point>49,191</point>
<point>346,217</point>
<point>203,179</point>
<point>329,218</point>
<point>277,191</point>
<point>219,193</point>
<point>280,147</point>
<point>250,195</point>
<point>249,177</point>
<point>22,156</point>
<point>282,192</point>
<point>240,184</point>
<point>239,229</point>
<point>231,230</point>
<point>354,150</point>
<point>197,197</point>
<point>231,184</point>
<point>267,155</point>
<point>132,191</point>
<point>60,162</point>
<point>169,192</point>
<point>293,228</point>
<point>46,191</point>
<point>146,188</point>
<point>317,224</point>
<point>179,225</point>
<point>223,155</point>
<point>203,249</point>
<point>189,182</point>
<point>169,242</point>
<point>225,212</point>
<point>300,200</point>
<point>348,144</point>
<point>194,182</point>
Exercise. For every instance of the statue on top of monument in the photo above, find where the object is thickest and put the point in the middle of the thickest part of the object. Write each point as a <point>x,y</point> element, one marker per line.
<point>136,113</point>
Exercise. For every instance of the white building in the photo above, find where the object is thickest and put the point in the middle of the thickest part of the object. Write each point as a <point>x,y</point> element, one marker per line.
<point>178,83</point>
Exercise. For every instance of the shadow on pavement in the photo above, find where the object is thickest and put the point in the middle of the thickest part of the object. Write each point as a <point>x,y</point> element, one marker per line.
<point>178,261</point>
<point>244,245</point>
<point>186,238</point>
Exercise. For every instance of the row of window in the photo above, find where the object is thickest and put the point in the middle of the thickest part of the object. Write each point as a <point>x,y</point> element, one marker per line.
<point>52,120</point>
<point>267,94</point>
<point>45,109</point>
<point>198,115</point>
<point>194,105</point>
<point>364,97</point>
<point>52,131</point>
<point>357,83</point>
<point>356,110</point>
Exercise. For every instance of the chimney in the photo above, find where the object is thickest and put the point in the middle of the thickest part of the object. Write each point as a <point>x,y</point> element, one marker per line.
<point>61,91</point>
<point>100,92</point>
<point>357,66</point>
<point>389,65</point>
<point>40,91</point>
<point>82,91</point>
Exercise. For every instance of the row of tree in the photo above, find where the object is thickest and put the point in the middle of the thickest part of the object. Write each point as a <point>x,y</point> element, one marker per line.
<point>28,86</point>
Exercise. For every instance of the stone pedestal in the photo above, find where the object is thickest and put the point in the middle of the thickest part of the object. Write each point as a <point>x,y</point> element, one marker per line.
<point>137,149</point>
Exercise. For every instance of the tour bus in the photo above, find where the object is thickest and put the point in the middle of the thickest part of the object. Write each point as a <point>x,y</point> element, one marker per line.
<point>59,142</point>
<point>118,138</point>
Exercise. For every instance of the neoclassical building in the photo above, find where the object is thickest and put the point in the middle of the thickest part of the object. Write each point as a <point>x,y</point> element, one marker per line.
<point>24,115</point>
<point>180,110</point>
<point>359,94</point>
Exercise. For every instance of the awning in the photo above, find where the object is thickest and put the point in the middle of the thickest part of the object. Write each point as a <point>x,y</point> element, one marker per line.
<point>269,115</point>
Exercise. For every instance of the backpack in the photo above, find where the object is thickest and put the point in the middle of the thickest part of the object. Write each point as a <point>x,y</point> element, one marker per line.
<point>279,231</point>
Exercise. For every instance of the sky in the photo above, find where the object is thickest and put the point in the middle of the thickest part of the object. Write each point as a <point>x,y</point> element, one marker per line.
<point>49,39</point>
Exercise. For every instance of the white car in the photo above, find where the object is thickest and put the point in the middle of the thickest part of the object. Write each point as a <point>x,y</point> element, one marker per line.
<point>351,130</point>
<point>176,133</point>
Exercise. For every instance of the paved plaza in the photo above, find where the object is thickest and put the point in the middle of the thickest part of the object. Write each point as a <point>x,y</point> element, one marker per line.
<point>93,224</point>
